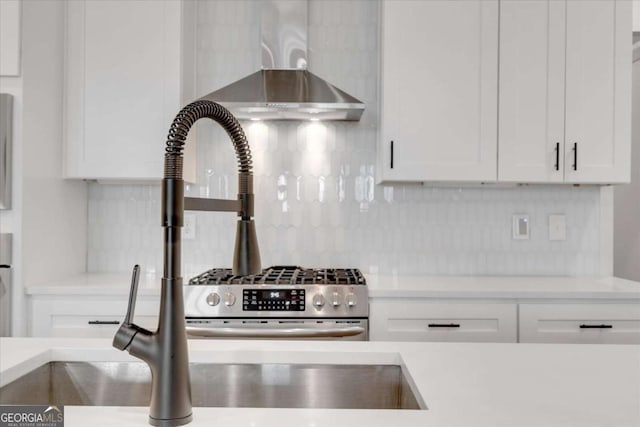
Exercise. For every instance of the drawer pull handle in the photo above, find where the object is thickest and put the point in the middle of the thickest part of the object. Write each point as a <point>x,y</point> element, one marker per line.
<point>596,326</point>
<point>444,325</point>
<point>391,154</point>
<point>103,322</point>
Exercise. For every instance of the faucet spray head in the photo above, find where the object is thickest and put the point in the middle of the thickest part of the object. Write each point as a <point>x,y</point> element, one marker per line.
<point>246,255</point>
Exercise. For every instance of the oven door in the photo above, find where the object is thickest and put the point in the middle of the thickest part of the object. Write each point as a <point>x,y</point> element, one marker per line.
<point>307,329</point>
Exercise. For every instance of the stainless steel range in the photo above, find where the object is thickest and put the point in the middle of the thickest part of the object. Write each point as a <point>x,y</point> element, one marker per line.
<point>281,302</point>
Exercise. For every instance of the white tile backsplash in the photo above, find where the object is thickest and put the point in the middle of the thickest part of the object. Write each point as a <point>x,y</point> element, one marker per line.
<point>316,199</point>
<point>422,230</point>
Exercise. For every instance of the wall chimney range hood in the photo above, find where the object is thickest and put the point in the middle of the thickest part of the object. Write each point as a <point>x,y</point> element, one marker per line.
<point>284,89</point>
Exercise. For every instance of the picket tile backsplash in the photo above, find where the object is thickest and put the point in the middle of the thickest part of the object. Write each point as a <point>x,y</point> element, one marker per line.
<point>321,221</point>
<point>316,199</point>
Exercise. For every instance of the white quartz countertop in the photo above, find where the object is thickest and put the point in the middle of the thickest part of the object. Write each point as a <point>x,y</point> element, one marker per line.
<point>462,384</point>
<point>393,286</point>
<point>388,286</point>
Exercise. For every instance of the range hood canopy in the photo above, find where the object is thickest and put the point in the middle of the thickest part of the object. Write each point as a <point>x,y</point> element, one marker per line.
<point>287,95</point>
<point>284,89</point>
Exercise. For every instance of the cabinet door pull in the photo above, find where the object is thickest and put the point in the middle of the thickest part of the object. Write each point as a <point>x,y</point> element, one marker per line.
<point>557,156</point>
<point>103,322</point>
<point>596,326</point>
<point>575,156</point>
<point>444,325</point>
<point>391,154</point>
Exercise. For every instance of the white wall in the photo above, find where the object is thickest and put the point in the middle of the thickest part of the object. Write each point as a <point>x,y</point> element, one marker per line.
<point>627,201</point>
<point>49,215</point>
<point>11,220</point>
<point>11,83</point>
<point>54,210</point>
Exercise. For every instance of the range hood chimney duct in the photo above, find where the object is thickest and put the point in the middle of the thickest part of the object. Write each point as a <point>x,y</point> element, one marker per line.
<point>284,89</point>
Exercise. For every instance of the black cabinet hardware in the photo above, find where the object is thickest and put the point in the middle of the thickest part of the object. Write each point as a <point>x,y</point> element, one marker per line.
<point>596,326</point>
<point>557,156</point>
<point>444,325</point>
<point>575,156</point>
<point>103,322</point>
<point>391,154</point>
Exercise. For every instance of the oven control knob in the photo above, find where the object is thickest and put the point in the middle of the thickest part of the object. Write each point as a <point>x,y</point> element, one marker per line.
<point>335,299</point>
<point>351,299</point>
<point>213,299</point>
<point>229,299</point>
<point>318,300</point>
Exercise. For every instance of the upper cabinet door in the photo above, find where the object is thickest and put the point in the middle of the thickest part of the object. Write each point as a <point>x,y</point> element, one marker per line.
<point>565,91</point>
<point>123,86</point>
<point>598,91</point>
<point>532,72</point>
<point>439,91</point>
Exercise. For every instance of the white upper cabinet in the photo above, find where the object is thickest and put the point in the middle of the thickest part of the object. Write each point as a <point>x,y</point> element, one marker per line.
<point>565,91</point>
<point>127,66</point>
<point>598,92</point>
<point>439,91</point>
<point>531,122</point>
<point>636,15</point>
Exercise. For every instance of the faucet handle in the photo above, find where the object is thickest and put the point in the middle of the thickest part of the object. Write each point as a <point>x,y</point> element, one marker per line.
<point>126,332</point>
<point>133,293</point>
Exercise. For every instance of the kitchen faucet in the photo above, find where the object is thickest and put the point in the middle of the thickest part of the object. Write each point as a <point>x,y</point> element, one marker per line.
<point>165,350</point>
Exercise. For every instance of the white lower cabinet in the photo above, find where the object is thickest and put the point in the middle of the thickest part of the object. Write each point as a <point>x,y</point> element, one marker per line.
<point>87,317</point>
<point>411,320</point>
<point>580,323</point>
<point>390,319</point>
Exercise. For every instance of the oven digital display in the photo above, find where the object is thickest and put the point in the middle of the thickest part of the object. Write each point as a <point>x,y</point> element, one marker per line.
<point>273,295</point>
<point>273,299</point>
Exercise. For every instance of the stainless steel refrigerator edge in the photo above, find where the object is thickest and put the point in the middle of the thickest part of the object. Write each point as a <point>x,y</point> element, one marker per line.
<point>5,285</point>
<point>6,119</point>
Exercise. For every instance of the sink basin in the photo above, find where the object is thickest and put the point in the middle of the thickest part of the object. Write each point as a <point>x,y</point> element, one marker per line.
<point>218,385</point>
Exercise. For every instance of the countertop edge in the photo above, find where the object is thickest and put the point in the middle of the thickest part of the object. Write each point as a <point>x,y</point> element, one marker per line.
<point>391,286</point>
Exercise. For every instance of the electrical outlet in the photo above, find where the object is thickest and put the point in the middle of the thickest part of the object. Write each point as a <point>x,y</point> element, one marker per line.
<point>557,227</point>
<point>520,227</point>
<point>189,228</point>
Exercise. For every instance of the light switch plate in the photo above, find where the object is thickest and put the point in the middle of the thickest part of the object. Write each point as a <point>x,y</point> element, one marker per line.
<point>189,228</point>
<point>520,227</point>
<point>557,227</point>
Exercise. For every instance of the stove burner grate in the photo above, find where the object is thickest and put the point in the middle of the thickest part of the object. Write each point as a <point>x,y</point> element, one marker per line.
<point>283,275</point>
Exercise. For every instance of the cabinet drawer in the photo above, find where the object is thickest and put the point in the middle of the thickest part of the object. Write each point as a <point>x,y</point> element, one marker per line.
<point>426,321</point>
<point>580,323</point>
<point>94,326</point>
<point>88,317</point>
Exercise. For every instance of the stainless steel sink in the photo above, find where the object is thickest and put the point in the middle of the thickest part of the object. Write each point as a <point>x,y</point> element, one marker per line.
<point>218,385</point>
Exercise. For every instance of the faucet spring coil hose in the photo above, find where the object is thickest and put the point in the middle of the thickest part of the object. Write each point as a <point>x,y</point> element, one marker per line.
<point>182,124</point>
<point>173,166</point>
<point>245,181</point>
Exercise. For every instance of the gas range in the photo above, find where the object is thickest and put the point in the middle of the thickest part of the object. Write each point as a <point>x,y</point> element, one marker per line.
<point>281,302</point>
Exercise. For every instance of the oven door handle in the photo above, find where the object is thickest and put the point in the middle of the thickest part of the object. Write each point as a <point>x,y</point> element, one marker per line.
<point>274,333</point>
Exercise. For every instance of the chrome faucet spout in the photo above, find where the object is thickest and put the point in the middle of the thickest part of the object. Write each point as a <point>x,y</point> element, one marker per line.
<point>165,350</point>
